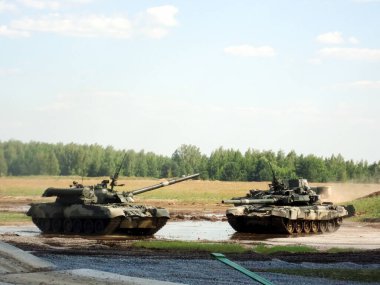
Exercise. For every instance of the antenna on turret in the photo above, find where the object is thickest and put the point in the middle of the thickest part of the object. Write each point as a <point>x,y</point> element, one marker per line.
<point>275,182</point>
<point>116,175</point>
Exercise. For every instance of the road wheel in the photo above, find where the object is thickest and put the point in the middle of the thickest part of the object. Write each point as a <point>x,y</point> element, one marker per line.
<point>306,227</point>
<point>314,226</point>
<point>322,226</point>
<point>99,226</point>
<point>67,226</point>
<point>338,223</point>
<point>77,226</point>
<point>298,227</point>
<point>88,226</point>
<point>289,226</point>
<point>56,225</point>
<point>45,225</point>
<point>330,226</point>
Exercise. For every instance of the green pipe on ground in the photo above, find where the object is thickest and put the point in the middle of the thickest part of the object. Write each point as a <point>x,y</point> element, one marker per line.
<point>243,270</point>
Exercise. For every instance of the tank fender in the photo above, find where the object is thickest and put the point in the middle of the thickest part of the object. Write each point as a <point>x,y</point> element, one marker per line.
<point>161,212</point>
<point>45,210</point>
<point>235,211</point>
<point>289,213</point>
<point>93,212</point>
<point>281,212</point>
<point>294,213</point>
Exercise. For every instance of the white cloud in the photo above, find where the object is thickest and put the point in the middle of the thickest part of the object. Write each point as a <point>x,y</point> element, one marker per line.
<point>5,6</point>
<point>330,38</point>
<point>155,23</point>
<point>9,71</point>
<point>85,26</point>
<point>39,4</point>
<point>335,38</point>
<point>353,40</point>
<point>250,51</point>
<point>361,84</point>
<point>164,15</point>
<point>350,53</point>
<point>52,4</point>
<point>315,61</point>
<point>13,33</point>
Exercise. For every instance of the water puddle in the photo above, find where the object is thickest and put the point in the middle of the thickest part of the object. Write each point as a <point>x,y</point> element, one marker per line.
<point>20,230</point>
<point>196,230</point>
<point>176,230</point>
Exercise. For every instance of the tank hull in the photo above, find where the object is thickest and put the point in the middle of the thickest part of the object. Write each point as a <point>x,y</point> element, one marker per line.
<point>98,219</point>
<point>286,219</point>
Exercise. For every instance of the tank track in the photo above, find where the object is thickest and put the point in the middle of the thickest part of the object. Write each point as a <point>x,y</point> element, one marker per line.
<point>160,222</point>
<point>77,226</point>
<point>282,225</point>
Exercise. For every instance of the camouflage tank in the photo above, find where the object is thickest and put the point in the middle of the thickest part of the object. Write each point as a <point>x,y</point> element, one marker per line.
<point>289,206</point>
<point>99,210</point>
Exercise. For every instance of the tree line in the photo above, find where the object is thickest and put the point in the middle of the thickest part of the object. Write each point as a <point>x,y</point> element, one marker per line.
<point>37,158</point>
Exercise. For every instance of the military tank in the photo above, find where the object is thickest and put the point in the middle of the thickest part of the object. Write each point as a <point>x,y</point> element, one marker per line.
<point>290,206</point>
<point>99,209</point>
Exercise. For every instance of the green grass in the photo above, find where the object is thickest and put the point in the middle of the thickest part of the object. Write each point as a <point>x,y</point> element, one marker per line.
<point>10,217</point>
<point>362,275</point>
<point>264,249</point>
<point>366,208</point>
<point>191,246</point>
<point>342,250</point>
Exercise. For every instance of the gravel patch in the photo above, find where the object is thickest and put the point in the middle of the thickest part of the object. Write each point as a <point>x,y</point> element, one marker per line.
<point>196,271</point>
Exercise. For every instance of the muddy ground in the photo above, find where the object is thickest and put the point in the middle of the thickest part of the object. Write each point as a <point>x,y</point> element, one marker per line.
<point>115,254</point>
<point>105,247</point>
<point>352,235</point>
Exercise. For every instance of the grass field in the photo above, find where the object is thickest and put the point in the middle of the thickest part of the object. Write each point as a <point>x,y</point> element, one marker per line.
<point>192,246</point>
<point>11,217</point>
<point>186,196</point>
<point>188,191</point>
<point>265,249</point>
<point>367,208</point>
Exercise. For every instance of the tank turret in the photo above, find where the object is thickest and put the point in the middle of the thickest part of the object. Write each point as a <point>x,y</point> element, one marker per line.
<point>100,209</point>
<point>288,206</point>
<point>100,194</point>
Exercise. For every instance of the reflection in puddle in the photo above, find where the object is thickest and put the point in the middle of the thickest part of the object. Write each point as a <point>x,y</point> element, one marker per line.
<point>196,230</point>
<point>206,230</point>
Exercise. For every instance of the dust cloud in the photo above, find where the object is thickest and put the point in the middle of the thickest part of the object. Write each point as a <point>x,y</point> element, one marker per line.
<point>345,192</point>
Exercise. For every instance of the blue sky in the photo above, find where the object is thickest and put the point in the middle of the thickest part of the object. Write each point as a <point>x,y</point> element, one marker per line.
<point>269,75</point>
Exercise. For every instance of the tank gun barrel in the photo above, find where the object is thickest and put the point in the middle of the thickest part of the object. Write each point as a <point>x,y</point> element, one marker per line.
<point>162,184</point>
<point>249,201</point>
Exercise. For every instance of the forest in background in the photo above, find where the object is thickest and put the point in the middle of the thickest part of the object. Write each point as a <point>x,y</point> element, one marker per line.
<point>36,158</point>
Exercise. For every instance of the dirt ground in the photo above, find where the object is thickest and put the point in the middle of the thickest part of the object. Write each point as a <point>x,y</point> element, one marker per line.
<point>104,247</point>
<point>366,233</point>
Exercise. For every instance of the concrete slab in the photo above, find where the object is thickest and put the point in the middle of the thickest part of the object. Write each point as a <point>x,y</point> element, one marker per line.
<point>13,260</point>
<point>20,267</point>
<point>78,277</point>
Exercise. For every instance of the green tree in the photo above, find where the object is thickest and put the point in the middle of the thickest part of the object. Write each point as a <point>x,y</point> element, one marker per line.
<point>188,158</point>
<point>141,164</point>
<point>152,165</point>
<point>336,168</point>
<point>312,168</point>
<point>3,162</point>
